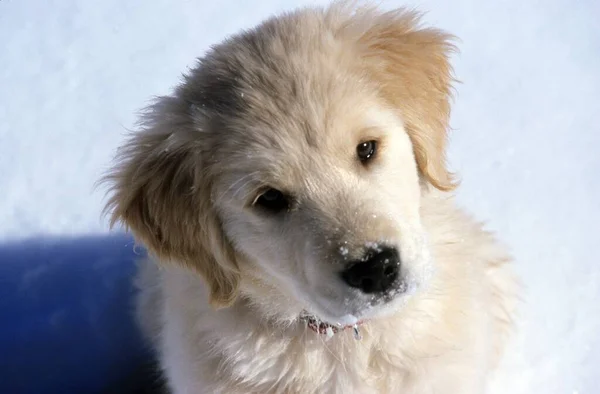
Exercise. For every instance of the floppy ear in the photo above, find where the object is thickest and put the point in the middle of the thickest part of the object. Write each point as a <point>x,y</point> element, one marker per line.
<point>162,195</point>
<point>411,65</point>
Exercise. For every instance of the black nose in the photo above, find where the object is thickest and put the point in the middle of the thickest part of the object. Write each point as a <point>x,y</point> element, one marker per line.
<point>374,274</point>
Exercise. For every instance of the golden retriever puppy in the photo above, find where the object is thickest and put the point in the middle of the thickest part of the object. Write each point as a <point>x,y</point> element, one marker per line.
<point>294,195</point>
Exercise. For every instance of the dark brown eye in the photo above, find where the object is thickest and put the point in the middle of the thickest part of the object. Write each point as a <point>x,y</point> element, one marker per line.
<point>273,201</point>
<point>366,150</point>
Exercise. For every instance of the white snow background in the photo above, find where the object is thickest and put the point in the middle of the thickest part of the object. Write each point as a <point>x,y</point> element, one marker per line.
<point>525,139</point>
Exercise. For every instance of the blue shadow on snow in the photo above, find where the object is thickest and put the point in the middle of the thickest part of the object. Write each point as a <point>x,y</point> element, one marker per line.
<point>66,317</point>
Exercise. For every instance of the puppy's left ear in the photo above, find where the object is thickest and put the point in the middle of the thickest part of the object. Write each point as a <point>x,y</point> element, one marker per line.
<point>160,191</point>
<point>411,65</point>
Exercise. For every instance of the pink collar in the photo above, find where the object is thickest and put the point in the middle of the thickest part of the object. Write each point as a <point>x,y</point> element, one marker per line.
<point>328,329</point>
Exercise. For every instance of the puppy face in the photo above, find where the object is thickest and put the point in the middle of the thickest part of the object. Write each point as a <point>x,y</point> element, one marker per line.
<point>290,164</point>
<point>327,215</point>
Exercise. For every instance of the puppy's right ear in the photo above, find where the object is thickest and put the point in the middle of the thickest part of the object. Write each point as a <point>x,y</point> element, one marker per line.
<point>411,65</point>
<point>159,191</point>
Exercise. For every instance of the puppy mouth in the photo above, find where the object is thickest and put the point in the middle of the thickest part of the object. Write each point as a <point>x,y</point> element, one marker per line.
<point>332,324</point>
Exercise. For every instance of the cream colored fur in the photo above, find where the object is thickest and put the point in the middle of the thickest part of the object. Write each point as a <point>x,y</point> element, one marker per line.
<point>284,106</point>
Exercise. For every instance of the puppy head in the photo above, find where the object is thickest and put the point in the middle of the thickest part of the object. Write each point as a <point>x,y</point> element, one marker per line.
<point>290,163</point>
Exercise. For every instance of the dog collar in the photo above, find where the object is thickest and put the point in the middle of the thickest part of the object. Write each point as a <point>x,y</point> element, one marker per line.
<point>330,330</point>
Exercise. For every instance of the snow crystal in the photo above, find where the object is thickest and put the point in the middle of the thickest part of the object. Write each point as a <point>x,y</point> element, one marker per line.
<point>356,331</point>
<point>329,332</point>
<point>373,246</point>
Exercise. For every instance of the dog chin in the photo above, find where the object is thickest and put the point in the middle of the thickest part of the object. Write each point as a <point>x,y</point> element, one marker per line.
<point>350,312</point>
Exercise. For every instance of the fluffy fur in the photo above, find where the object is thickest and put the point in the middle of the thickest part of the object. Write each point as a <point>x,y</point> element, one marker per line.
<point>284,106</point>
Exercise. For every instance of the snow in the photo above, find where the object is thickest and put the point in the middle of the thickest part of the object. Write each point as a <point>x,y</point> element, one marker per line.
<point>347,320</point>
<point>343,250</point>
<point>329,332</point>
<point>526,139</point>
